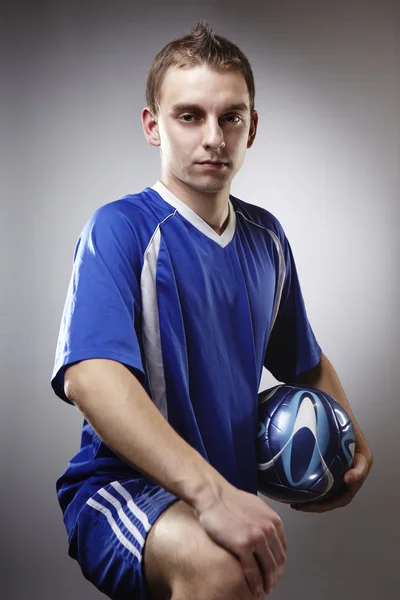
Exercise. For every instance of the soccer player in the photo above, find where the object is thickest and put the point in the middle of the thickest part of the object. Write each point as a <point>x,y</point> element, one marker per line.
<point>179,295</point>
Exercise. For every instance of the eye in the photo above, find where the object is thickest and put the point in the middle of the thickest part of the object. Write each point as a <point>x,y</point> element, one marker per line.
<point>183,117</point>
<point>233,117</point>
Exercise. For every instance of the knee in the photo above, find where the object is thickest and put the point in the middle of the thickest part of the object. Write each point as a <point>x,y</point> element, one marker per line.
<point>216,576</point>
<point>227,579</point>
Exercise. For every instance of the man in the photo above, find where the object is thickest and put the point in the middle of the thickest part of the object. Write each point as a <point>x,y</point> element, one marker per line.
<point>179,296</point>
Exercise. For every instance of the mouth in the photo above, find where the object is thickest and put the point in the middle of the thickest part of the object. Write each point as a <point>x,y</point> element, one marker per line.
<point>211,164</point>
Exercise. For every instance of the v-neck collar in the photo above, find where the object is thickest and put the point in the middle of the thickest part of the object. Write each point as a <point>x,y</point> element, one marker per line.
<point>195,220</point>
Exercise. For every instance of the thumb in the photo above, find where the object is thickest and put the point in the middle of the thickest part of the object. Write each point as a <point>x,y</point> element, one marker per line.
<point>359,469</point>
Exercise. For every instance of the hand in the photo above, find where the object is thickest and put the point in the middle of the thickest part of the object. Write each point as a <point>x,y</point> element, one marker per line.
<point>353,480</point>
<point>247,527</point>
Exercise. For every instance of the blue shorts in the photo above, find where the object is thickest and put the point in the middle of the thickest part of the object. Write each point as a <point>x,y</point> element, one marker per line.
<point>111,532</point>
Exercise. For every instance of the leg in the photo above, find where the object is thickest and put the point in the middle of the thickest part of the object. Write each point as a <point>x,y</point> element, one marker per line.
<point>183,563</point>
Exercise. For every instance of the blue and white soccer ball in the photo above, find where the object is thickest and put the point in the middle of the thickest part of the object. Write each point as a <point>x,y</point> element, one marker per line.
<point>305,444</point>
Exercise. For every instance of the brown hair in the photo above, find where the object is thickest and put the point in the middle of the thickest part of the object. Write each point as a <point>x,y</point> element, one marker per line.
<point>200,47</point>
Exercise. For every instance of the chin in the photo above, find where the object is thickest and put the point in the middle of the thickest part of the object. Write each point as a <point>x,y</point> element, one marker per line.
<point>208,184</point>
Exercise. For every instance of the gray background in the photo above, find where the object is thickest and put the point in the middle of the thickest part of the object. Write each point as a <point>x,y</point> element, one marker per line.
<point>326,163</point>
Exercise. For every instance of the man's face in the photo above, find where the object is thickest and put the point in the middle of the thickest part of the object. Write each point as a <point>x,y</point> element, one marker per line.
<point>204,116</point>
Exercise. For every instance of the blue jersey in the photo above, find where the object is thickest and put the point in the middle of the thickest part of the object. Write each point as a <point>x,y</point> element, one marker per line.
<point>194,315</point>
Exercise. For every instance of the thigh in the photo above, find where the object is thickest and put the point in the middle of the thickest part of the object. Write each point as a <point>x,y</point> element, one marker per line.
<point>111,534</point>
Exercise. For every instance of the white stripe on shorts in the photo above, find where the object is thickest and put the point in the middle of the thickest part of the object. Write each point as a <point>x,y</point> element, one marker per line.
<point>107,513</point>
<point>135,510</point>
<point>139,514</point>
<point>128,524</point>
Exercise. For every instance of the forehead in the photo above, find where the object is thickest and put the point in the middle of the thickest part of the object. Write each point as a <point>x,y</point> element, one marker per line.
<point>204,86</point>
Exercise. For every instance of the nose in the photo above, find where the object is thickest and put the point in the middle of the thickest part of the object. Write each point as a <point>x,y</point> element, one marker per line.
<point>213,136</point>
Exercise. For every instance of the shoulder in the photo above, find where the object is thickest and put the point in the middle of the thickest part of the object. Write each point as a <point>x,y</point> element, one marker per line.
<point>132,208</point>
<point>259,217</point>
<point>129,220</point>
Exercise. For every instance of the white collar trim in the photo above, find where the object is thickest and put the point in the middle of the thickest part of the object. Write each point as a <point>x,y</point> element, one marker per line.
<point>194,218</point>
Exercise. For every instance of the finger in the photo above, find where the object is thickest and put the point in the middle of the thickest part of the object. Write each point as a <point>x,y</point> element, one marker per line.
<point>319,509</point>
<point>358,471</point>
<point>271,544</point>
<point>278,523</point>
<point>278,547</point>
<point>353,481</point>
<point>281,534</point>
<point>257,579</point>
<point>338,501</point>
<point>268,567</point>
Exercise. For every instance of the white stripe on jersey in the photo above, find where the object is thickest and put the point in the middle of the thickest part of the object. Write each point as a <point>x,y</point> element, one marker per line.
<point>151,334</point>
<point>282,269</point>
<point>281,280</point>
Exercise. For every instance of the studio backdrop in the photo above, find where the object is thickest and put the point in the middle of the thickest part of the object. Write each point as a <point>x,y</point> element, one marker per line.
<point>325,162</point>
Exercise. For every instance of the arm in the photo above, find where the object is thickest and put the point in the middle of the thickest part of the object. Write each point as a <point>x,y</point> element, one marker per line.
<point>125,418</point>
<point>324,378</point>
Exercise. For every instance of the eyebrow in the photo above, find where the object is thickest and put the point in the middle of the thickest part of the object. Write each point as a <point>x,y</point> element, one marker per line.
<point>182,107</point>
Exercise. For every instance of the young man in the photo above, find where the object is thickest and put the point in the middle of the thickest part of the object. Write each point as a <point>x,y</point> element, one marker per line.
<point>179,296</point>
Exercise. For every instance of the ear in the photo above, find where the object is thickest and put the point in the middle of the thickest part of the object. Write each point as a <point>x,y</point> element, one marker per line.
<point>253,129</point>
<point>150,127</point>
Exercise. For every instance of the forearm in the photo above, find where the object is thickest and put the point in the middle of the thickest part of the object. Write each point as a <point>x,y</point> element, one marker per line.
<point>324,378</point>
<point>125,418</point>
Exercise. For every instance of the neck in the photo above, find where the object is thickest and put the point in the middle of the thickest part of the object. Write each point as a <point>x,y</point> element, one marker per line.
<point>212,207</point>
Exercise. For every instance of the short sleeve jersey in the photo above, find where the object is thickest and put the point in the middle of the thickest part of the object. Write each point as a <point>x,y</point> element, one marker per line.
<point>194,316</point>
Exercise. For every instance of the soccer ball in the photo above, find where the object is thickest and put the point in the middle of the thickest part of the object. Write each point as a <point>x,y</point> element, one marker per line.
<point>305,444</point>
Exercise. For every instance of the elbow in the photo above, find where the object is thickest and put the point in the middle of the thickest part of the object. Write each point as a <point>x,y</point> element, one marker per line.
<point>312,376</point>
<point>74,383</point>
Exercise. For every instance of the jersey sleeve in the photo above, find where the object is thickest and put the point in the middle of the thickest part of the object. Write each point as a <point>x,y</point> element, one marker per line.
<point>101,312</point>
<point>292,347</point>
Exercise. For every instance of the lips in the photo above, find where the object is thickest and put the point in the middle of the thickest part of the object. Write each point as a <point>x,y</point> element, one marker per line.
<point>212,162</point>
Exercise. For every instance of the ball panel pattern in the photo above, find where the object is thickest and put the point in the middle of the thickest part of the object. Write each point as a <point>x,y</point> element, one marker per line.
<point>304,445</point>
